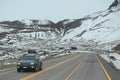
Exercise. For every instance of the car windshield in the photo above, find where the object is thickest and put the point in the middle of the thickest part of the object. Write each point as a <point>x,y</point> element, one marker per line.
<point>28,58</point>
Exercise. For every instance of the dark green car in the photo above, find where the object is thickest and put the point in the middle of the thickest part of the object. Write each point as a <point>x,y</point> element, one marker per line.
<point>29,62</point>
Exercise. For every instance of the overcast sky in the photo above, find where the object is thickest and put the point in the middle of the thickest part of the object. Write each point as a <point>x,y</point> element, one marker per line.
<point>54,10</point>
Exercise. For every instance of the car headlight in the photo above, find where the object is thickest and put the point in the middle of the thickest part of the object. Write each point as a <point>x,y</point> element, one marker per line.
<point>19,63</point>
<point>32,63</point>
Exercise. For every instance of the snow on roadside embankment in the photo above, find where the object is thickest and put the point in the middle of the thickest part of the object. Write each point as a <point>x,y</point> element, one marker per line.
<point>2,29</point>
<point>115,59</point>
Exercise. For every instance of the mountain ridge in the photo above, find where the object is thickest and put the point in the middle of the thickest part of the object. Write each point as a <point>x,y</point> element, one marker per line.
<point>76,29</point>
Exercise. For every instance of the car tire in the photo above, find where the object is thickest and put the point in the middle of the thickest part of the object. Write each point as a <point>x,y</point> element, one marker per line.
<point>18,70</point>
<point>36,69</point>
<point>40,68</point>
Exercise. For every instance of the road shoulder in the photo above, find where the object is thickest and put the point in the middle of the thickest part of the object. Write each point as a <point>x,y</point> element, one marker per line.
<point>113,72</point>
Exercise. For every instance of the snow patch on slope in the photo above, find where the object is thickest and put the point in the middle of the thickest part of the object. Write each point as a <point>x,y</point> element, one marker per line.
<point>29,21</point>
<point>2,29</point>
<point>100,27</point>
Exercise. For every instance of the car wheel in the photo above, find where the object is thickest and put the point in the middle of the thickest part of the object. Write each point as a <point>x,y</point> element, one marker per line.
<point>18,70</point>
<point>36,69</point>
<point>40,68</point>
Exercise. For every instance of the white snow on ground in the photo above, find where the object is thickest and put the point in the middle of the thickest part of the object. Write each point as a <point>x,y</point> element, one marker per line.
<point>6,69</point>
<point>15,55</point>
<point>8,63</point>
<point>29,21</point>
<point>105,57</point>
<point>43,57</point>
<point>85,51</point>
<point>41,34</point>
<point>115,62</point>
<point>72,52</point>
<point>99,27</point>
<point>76,31</point>
<point>116,55</point>
<point>68,21</point>
<point>5,29</point>
<point>27,40</point>
<point>33,34</point>
<point>62,54</point>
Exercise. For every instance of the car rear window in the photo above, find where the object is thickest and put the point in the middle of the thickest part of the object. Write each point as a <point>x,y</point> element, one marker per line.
<point>28,58</point>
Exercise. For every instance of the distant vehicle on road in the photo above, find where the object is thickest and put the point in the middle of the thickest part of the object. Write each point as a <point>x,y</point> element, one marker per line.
<point>29,62</point>
<point>74,48</point>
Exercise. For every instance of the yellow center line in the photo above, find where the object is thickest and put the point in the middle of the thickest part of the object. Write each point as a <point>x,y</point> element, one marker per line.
<point>2,73</point>
<point>75,69</point>
<point>105,71</point>
<point>49,68</point>
<point>9,71</point>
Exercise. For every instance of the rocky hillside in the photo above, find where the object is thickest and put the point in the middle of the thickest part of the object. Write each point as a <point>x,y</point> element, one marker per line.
<point>59,28</point>
<point>101,27</point>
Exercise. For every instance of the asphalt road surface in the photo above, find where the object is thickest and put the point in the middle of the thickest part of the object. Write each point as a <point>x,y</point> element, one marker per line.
<point>71,67</point>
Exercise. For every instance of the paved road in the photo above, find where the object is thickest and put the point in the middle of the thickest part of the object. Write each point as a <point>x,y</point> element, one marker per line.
<point>71,67</point>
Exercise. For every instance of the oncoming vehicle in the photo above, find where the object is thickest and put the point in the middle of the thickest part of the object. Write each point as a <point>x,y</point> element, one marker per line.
<point>29,62</point>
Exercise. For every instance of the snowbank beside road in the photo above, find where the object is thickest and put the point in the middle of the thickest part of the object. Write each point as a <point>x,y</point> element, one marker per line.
<point>105,57</point>
<point>116,61</point>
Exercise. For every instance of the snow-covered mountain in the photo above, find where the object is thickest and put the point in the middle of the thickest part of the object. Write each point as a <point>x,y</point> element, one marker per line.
<point>34,28</point>
<point>103,26</point>
<point>42,28</point>
<point>100,27</point>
